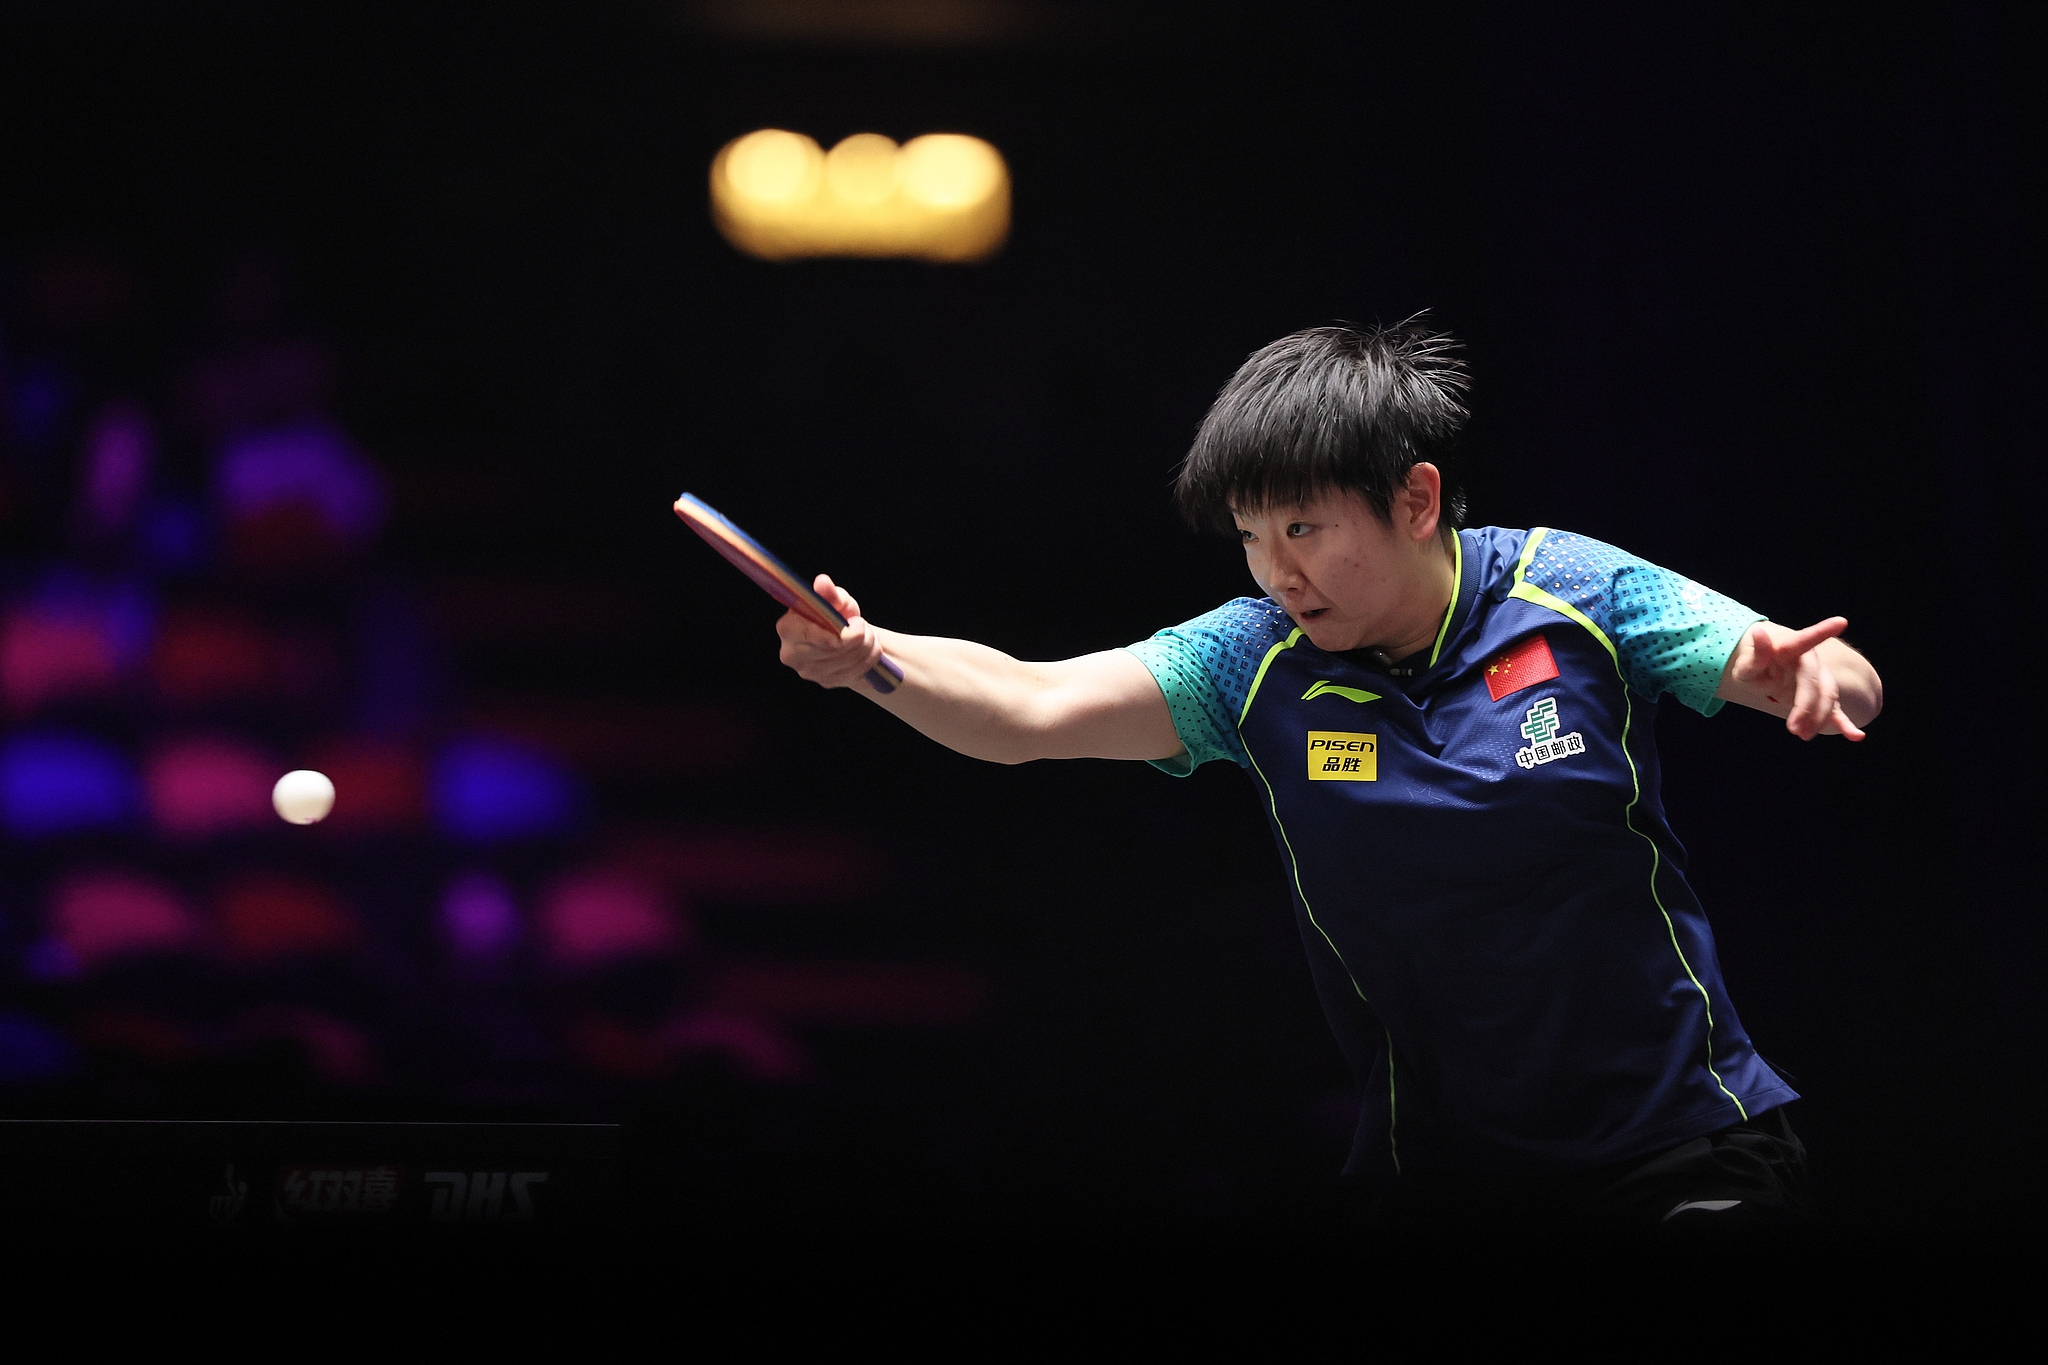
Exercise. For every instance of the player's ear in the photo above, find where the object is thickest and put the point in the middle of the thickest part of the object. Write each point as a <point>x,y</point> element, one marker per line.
<point>1423,501</point>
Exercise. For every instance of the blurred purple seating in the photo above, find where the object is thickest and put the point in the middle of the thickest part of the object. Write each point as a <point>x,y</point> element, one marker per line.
<point>296,495</point>
<point>480,922</point>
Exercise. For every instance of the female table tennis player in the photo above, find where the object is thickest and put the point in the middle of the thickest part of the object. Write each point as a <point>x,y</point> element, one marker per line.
<point>1450,729</point>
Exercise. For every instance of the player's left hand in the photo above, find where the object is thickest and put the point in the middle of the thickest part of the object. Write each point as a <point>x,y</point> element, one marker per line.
<point>1789,668</point>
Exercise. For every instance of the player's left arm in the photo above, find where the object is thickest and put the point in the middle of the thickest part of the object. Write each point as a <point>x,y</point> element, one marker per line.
<point>1810,678</point>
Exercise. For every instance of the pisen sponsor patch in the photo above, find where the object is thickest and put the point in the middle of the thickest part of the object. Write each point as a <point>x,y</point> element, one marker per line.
<point>1340,756</point>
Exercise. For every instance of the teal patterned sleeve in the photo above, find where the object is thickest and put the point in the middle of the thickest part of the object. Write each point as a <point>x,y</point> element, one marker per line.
<point>1205,668</point>
<point>1669,633</point>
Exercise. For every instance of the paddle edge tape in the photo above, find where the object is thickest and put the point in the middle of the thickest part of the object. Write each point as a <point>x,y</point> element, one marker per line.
<point>772,576</point>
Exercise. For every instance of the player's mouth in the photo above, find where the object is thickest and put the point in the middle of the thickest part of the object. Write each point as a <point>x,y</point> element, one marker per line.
<point>1312,614</point>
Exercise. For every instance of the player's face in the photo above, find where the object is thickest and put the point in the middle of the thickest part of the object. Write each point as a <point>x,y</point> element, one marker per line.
<point>1348,577</point>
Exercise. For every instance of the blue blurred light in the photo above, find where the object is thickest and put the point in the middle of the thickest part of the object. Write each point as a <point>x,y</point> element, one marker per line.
<point>492,789</point>
<point>50,960</point>
<point>123,610</point>
<point>31,1050</point>
<point>174,535</point>
<point>56,781</point>
<point>42,398</point>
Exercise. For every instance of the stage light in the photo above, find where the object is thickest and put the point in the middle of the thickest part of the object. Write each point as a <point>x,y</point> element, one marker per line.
<point>947,171</point>
<point>862,169</point>
<point>940,197</point>
<point>772,167</point>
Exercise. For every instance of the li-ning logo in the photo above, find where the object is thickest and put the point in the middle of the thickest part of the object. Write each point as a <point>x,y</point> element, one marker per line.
<point>1545,744</point>
<point>1336,756</point>
<point>1330,689</point>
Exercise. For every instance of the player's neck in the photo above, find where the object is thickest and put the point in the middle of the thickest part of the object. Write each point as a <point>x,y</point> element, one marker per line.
<point>1435,581</point>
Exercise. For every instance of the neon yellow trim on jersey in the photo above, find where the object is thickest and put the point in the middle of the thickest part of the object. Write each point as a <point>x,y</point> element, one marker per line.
<point>1273,801</point>
<point>1529,593</point>
<point>1457,582</point>
<point>1330,689</point>
<point>1393,1150</point>
<point>1260,676</point>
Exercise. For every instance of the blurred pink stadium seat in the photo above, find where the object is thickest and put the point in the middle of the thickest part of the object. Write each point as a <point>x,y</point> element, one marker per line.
<point>263,917</point>
<point>74,635</point>
<point>44,657</point>
<point>604,915</point>
<point>208,784</point>
<point>103,914</point>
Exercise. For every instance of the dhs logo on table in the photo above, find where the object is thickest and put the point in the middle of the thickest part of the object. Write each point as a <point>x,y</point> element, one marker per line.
<point>483,1196</point>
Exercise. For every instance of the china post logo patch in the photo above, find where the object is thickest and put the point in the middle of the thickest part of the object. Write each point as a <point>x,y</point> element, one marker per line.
<point>1339,756</point>
<point>1546,745</point>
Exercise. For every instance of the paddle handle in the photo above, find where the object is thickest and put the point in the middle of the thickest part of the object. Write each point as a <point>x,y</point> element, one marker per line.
<point>886,673</point>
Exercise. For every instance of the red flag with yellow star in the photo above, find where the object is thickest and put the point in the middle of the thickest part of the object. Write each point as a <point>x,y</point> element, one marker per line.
<point>1519,666</point>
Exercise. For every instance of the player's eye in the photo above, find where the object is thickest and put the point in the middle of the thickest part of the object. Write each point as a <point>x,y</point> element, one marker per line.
<point>1244,535</point>
<point>1298,528</point>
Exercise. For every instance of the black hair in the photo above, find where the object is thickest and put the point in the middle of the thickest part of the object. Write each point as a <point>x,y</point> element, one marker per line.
<point>1329,409</point>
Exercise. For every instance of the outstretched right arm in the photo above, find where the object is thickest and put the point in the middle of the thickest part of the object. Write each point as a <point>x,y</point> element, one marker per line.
<point>983,703</point>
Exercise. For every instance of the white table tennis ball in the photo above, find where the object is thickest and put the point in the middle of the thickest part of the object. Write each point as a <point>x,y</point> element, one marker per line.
<point>303,796</point>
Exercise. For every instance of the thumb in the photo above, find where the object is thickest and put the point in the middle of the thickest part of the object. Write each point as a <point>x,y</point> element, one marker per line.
<point>1763,653</point>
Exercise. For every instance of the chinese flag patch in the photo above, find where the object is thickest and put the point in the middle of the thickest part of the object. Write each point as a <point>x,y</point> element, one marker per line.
<point>1519,666</point>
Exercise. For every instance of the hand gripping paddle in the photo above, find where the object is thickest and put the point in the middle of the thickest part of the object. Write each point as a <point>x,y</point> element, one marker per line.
<point>746,554</point>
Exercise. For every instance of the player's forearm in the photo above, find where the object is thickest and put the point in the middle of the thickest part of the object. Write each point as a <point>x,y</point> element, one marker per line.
<point>973,699</point>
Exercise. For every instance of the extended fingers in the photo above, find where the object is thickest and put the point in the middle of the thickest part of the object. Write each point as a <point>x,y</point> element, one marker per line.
<point>1800,641</point>
<point>841,600</point>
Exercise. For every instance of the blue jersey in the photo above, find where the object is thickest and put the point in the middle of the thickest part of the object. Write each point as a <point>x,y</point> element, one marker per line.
<point>1495,910</point>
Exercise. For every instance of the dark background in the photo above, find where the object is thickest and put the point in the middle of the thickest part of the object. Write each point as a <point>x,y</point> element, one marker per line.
<point>1752,292</point>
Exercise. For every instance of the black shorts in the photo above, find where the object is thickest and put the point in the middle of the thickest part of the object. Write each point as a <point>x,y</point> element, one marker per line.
<point>1747,1176</point>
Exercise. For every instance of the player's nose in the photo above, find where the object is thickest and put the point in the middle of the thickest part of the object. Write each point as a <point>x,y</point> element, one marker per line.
<point>1283,574</point>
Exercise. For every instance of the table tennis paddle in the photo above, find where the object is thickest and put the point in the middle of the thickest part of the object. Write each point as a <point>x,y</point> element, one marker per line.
<point>747,555</point>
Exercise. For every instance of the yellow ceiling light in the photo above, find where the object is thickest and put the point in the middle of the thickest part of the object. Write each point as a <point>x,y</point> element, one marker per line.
<point>773,167</point>
<point>940,197</point>
<point>862,169</point>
